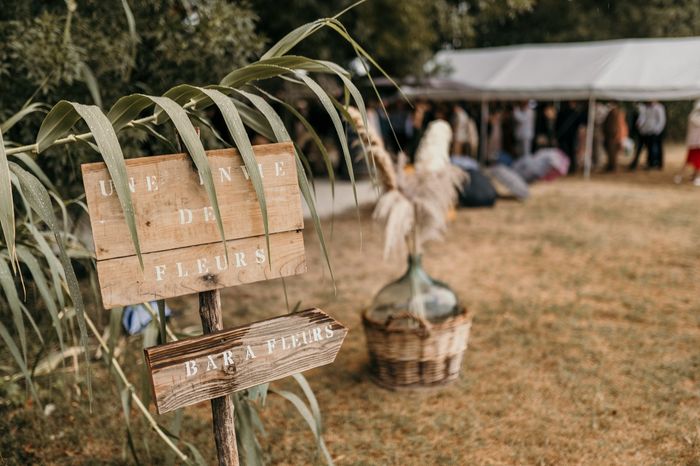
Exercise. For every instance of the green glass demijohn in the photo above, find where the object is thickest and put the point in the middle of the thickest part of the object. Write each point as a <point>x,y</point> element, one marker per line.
<point>414,294</point>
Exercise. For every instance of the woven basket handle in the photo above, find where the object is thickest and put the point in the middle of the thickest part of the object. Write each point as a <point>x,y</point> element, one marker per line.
<point>424,325</point>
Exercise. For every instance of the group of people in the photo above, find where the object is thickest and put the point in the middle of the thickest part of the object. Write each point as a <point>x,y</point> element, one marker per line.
<point>519,129</point>
<point>516,130</point>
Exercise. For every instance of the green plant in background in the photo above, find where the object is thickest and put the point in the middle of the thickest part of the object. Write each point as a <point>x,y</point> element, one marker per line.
<point>41,258</point>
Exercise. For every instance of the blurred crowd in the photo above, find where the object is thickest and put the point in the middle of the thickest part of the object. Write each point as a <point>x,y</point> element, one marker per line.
<point>520,129</point>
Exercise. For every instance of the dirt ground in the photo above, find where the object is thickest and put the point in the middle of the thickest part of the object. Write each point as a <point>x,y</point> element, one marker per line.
<point>585,345</point>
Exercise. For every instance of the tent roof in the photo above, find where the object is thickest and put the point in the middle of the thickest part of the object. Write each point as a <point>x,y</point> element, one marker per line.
<point>630,69</point>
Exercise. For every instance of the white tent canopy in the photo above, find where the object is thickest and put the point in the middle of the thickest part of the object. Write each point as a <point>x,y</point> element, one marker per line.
<point>631,69</point>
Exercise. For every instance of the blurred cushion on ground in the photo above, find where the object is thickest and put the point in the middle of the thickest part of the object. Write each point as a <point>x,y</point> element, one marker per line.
<point>508,183</point>
<point>478,191</point>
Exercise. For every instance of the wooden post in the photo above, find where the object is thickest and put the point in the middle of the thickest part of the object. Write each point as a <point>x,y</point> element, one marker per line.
<point>590,128</point>
<point>222,407</point>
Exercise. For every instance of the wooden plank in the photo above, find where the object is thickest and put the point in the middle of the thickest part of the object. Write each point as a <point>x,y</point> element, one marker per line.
<point>172,208</point>
<point>199,268</point>
<point>188,371</point>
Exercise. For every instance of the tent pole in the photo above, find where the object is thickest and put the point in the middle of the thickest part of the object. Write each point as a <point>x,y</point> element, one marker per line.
<point>483,130</point>
<point>590,127</point>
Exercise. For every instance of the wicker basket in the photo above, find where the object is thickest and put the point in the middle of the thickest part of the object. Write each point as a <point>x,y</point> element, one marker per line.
<point>411,358</point>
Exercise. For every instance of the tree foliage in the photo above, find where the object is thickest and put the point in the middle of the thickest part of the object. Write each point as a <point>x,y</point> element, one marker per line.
<point>582,20</point>
<point>401,35</point>
<point>52,47</point>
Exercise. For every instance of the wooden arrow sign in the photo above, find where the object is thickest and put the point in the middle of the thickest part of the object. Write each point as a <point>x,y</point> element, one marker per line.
<point>196,369</point>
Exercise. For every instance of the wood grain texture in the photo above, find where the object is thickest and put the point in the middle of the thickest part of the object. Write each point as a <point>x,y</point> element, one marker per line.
<point>164,186</point>
<point>222,408</point>
<point>241,357</point>
<point>199,268</point>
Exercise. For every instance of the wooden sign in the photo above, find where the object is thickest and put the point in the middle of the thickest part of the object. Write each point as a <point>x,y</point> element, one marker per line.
<point>180,242</point>
<point>188,371</point>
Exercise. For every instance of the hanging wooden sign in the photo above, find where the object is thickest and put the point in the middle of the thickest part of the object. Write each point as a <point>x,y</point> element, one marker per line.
<point>188,371</point>
<point>180,242</point>
<point>183,253</point>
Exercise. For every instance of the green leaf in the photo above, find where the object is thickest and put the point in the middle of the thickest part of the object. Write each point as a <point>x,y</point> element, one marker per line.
<point>281,135</point>
<point>28,110</point>
<point>145,127</point>
<point>311,398</point>
<point>60,119</point>
<point>314,137</point>
<point>309,418</point>
<point>39,199</point>
<point>162,334</point>
<point>271,67</point>
<point>111,151</point>
<point>115,326</point>
<point>235,126</point>
<point>126,409</point>
<point>194,146</point>
<point>327,104</point>
<point>33,167</point>
<point>14,351</point>
<point>7,207</point>
<point>8,287</point>
<point>126,109</point>
<point>55,268</point>
<point>90,81</point>
<point>286,43</point>
<point>26,256</point>
<point>107,145</point>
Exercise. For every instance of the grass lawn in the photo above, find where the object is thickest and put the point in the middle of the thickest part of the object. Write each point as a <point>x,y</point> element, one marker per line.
<point>585,345</point>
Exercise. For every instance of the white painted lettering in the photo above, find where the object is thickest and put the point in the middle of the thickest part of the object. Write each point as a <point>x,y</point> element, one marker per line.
<point>152,183</point>
<point>225,173</point>
<point>228,358</point>
<point>295,341</point>
<point>317,334</point>
<point>185,216</point>
<point>329,331</point>
<point>191,368</point>
<point>249,353</point>
<point>181,272</point>
<point>209,214</point>
<point>103,188</point>
<point>210,363</point>
<point>240,259</point>
<point>279,168</point>
<point>202,266</point>
<point>160,272</point>
<point>259,256</point>
<point>132,185</point>
<point>270,345</point>
<point>221,263</point>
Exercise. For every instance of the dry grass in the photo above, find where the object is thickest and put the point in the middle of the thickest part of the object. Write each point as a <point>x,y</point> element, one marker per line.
<point>585,345</point>
<point>586,337</point>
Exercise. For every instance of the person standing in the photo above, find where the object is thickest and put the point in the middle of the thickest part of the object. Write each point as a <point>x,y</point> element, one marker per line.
<point>545,126</point>
<point>524,127</point>
<point>692,140</point>
<point>464,140</point>
<point>615,132</point>
<point>651,123</point>
<point>569,119</point>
